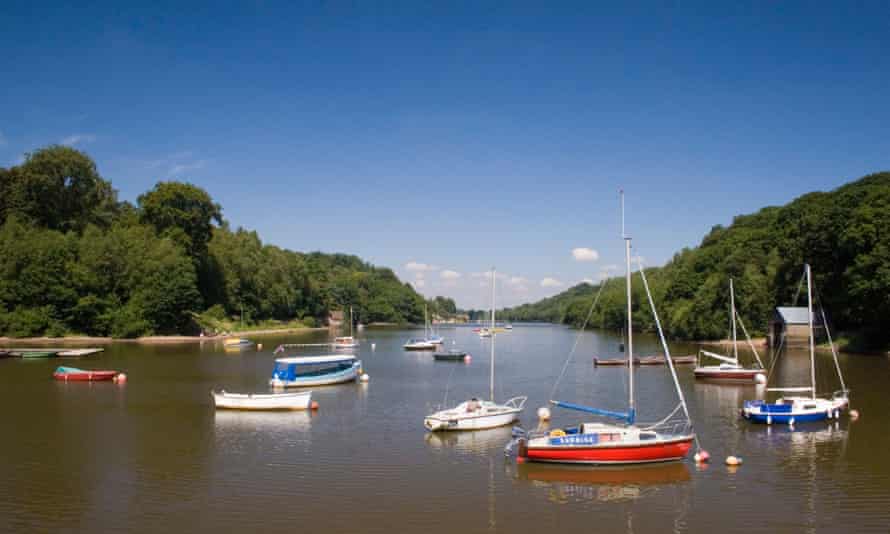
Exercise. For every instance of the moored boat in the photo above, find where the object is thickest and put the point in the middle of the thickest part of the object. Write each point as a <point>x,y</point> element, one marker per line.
<point>729,368</point>
<point>419,344</point>
<point>262,401</point>
<point>36,353</point>
<point>608,443</point>
<point>792,409</point>
<point>234,343</point>
<point>83,375</point>
<point>345,342</point>
<point>476,414</point>
<point>451,355</point>
<point>302,371</point>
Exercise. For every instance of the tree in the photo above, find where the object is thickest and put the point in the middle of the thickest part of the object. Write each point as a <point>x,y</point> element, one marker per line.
<point>57,187</point>
<point>183,212</point>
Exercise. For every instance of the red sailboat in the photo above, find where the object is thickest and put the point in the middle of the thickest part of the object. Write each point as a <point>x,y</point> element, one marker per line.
<point>608,443</point>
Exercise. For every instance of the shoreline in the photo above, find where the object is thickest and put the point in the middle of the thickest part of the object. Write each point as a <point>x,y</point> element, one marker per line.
<point>152,340</point>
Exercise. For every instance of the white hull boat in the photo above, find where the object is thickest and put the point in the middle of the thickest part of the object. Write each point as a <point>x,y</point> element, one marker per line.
<point>271,401</point>
<point>475,415</point>
<point>315,371</point>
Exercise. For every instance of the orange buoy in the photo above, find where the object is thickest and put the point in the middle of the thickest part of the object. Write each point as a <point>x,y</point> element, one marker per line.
<point>702,457</point>
<point>733,461</point>
<point>121,378</point>
<point>314,405</point>
<point>854,414</point>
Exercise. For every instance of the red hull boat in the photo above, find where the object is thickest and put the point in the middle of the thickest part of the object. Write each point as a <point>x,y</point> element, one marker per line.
<point>660,451</point>
<point>69,374</point>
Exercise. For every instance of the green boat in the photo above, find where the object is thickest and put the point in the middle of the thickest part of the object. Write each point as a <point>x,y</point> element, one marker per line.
<point>38,353</point>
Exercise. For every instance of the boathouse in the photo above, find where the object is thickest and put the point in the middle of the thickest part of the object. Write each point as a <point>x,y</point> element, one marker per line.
<point>791,324</point>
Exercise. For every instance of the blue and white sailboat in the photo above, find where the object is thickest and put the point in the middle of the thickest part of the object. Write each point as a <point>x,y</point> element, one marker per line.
<point>790,409</point>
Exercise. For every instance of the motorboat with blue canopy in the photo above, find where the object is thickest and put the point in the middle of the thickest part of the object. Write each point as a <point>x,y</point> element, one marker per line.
<point>301,371</point>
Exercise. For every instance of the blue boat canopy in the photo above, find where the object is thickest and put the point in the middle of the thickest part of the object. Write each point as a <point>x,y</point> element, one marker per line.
<point>629,417</point>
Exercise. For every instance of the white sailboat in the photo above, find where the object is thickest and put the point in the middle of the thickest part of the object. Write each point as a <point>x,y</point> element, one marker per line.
<point>424,343</point>
<point>476,414</point>
<point>729,367</point>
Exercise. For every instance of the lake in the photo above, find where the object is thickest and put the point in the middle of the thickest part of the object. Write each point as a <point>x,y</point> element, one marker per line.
<point>153,455</point>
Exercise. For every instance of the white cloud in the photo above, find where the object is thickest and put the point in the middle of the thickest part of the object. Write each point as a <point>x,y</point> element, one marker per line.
<point>585,254</point>
<point>517,281</point>
<point>550,282</point>
<point>587,281</point>
<point>419,283</point>
<point>180,168</point>
<point>77,139</point>
<point>448,274</point>
<point>417,267</point>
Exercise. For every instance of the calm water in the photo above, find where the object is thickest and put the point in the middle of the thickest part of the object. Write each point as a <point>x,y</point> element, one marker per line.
<point>154,456</point>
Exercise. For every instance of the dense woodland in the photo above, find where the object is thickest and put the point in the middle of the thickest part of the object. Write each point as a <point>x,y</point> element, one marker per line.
<point>76,260</point>
<point>844,234</point>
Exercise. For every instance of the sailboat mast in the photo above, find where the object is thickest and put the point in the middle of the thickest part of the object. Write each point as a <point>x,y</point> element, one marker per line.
<point>735,342</point>
<point>350,321</point>
<point>630,342</point>
<point>491,380</point>
<point>812,333</point>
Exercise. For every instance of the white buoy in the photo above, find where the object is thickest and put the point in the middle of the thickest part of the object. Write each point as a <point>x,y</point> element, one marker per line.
<point>702,457</point>
<point>259,346</point>
<point>364,377</point>
<point>373,346</point>
<point>733,460</point>
<point>468,358</point>
<point>760,378</point>
<point>121,378</point>
<point>544,413</point>
<point>854,414</point>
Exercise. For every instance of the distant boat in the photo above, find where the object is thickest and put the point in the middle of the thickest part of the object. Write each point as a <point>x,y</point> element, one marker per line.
<point>73,374</point>
<point>508,327</point>
<point>729,368</point>
<point>476,414</point>
<point>271,401</point>
<point>346,342</point>
<point>451,355</point>
<point>28,353</point>
<point>792,409</point>
<point>419,344</point>
<point>302,371</point>
<point>237,343</point>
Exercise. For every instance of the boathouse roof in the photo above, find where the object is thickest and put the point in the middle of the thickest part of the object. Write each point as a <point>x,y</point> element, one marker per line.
<point>793,314</point>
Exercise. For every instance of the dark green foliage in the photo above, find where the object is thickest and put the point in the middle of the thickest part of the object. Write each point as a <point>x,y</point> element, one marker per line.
<point>843,234</point>
<point>73,260</point>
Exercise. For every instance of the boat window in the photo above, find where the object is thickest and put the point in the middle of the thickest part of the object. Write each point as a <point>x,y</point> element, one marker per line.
<point>647,435</point>
<point>809,406</point>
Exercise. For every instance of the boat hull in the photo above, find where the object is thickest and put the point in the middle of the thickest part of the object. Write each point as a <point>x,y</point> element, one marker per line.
<point>450,357</point>
<point>85,376</point>
<point>273,402</point>
<point>347,375</point>
<point>640,453</point>
<point>715,373</point>
<point>479,422</point>
<point>769,414</point>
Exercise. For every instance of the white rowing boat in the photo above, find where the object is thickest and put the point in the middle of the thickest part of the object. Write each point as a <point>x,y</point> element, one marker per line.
<point>262,401</point>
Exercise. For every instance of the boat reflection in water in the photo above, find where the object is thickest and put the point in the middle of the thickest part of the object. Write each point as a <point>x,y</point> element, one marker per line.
<point>604,484</point>
<point>469,442</point>
<point>270,423</point>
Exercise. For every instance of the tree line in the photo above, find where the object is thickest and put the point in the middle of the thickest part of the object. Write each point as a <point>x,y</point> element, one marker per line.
<point>843,234</point>
<point>76,260</point>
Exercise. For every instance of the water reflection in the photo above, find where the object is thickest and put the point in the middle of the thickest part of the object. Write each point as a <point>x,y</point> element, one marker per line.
<point>266,422</point>
<point>565,483</point>
<point>478,441</point>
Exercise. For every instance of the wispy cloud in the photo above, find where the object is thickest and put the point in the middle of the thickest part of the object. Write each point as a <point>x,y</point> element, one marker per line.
<point>181,168</point>
<point>587,281</point>
<point>585,254</point>
<point>77,139</point>
<point>176,157</point>
<point>551,282</point>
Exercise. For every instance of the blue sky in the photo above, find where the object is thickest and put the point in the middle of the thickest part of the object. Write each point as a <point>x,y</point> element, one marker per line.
<point>440,138</point>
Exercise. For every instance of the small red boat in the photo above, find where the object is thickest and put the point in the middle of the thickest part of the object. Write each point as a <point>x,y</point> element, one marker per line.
<point>83,375</point>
